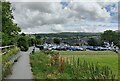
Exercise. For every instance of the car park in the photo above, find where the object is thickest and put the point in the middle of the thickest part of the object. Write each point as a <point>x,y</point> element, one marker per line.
<point>72,48</point>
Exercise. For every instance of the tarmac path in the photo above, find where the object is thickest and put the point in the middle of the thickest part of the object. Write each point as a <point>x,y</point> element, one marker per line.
<point>22,69</point>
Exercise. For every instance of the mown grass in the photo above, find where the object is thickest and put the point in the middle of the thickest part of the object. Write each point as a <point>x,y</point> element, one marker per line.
<point>88,52</point>
<point>102,57</point>
<point>41,68</point>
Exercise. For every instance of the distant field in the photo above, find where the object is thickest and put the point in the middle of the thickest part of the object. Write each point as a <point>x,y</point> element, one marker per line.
<point>103,57</point>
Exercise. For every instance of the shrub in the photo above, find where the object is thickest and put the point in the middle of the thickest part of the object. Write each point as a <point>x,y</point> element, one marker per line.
<point>6,69</point>
<point>6,61</point>
<point>23,43</point>
<point>24,48</point>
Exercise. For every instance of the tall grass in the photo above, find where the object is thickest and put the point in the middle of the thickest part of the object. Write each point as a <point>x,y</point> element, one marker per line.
<point>87,70</point>
<point>53,66</point>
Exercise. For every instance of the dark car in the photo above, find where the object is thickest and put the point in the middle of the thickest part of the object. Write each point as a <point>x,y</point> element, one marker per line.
<point>41,47</point>
<point>89,47</point>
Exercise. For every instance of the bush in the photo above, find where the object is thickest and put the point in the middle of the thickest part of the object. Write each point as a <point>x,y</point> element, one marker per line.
<point>6,64</point>
<point>23,43</point>
<point>31,41</point>
<point>6,69</point>
<point>11,52</point>
<point>24,48</point>
<point>56,40</point>
<point>93,42</point>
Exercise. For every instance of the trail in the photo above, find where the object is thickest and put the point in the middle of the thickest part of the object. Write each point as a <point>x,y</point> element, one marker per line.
<point>22,69</point>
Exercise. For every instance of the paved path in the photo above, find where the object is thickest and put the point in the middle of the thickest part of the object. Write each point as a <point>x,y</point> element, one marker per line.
<point>21,69</point>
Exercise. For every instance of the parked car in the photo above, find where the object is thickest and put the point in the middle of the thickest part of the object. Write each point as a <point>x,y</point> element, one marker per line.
<point>41,47</point>
<point>89,47</point>
<point>75,48</point>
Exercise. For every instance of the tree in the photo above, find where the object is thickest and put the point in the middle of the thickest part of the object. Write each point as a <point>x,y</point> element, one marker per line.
<point>56,41</point>
<point>111,36</point>
<point>118,44</point>
<point>31,41</point>
<point>5,39</point>
<point>23,43</point>
<point>9,28</point>
<point>92,42</point>
<point>23,34</point>
<point>0,16</point>
<point>38,41</point>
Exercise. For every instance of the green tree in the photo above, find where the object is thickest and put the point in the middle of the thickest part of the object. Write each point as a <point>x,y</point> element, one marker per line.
<point>23,43</point>
<point>31,41</point>
<point>92,42</point>
<point>56,40</point>
<point>118,44</point>
<point>38,41</point>
<point>9,28</point>
<point>111,36</point>
<point>23,34</point>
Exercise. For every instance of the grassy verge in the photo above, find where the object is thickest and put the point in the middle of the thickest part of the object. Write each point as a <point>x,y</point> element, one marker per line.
<point>74,66</point>
<point>0,66</point>
<point>6,61</point>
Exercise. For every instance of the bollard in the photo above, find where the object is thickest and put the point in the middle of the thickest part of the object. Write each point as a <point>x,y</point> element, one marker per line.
<point>33,50</point>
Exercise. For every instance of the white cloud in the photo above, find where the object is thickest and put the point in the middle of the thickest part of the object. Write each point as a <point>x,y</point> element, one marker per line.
<point>43,17</point>
<point>57,28</point>
<point>37,14</point>
<point>63,0</point>
<point>89,11</point>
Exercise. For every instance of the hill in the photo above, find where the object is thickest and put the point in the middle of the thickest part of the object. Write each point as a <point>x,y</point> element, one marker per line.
<point>68,34</point>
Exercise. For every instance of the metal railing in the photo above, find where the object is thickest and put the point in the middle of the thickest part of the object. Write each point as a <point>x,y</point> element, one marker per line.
<point>5,49</point>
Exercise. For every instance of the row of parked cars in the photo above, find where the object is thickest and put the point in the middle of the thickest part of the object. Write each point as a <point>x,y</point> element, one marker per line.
<point>72,48</point>
<point>98,48</point>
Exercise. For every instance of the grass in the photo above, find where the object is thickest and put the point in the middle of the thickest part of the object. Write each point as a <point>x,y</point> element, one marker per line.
<point>1,67</point>
<point>102,57</point>
<point>87,52</point>
<point>11,52</point>
<point>6,64</point>
<point>39,63</point>
<point>41,68</point>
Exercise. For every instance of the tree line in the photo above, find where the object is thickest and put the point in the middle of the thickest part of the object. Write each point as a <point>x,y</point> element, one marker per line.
<point>108,36</point>
<point>11,31</point>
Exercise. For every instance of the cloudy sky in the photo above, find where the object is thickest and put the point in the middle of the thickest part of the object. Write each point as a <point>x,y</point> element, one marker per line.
<point>65,16</point>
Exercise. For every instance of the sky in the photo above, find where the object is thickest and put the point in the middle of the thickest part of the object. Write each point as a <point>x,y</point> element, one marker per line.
<point>65,16</point>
